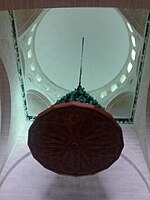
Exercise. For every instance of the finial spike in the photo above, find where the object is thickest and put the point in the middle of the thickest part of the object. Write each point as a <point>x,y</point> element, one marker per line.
<point>82,48</point>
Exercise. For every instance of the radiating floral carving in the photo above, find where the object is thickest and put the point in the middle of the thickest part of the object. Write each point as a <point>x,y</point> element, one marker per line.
<point>75,139</point>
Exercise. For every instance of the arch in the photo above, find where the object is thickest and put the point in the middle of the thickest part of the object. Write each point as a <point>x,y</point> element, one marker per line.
<point>37,102</point>
<point>5,99</point>
<point>148,109</point>
<point>148,126</point>
<point>120,106</point>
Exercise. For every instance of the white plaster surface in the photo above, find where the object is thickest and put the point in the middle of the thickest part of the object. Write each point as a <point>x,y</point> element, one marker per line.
<point>58,46</point>
<point>127,179</point>
<point>31,181</point>
<point>23,178</point>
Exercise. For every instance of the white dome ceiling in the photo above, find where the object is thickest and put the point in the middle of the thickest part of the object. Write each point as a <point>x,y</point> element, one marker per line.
<point>58,46</point>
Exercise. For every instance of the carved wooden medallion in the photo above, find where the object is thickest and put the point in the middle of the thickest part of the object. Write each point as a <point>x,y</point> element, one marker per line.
<point>75,139</point>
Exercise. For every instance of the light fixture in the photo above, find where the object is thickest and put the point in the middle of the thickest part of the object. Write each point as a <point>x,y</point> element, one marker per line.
<point>29,40</point>
<point>38,78</point>
<point>29,54</point>
<point>129,26</point>
<point>123,78</point>
<point>33,27</point>
<point>133,41</point>
<point>129,67</point>
<point>75,136</point>
<point>32,66</point>
<point>113,87</point>
<point>133,54</point>
<point>103,94</point>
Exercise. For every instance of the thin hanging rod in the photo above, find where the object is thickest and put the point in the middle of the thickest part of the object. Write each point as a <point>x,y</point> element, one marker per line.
<point>82,48</point>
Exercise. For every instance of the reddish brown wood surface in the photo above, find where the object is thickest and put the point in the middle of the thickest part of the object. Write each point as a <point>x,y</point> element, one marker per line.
<point>75,139</point>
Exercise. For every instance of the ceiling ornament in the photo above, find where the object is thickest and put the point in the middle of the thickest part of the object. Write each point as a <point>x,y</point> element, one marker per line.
<point>75,136</point>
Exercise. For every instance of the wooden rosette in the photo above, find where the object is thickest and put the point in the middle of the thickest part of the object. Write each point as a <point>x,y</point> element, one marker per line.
<point>75,139</point>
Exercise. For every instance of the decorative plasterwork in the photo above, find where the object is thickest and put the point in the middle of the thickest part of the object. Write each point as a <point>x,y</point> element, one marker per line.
<point>56,94</point>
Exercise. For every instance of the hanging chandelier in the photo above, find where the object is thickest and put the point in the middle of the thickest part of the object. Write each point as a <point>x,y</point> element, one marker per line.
<point>75,136</point>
